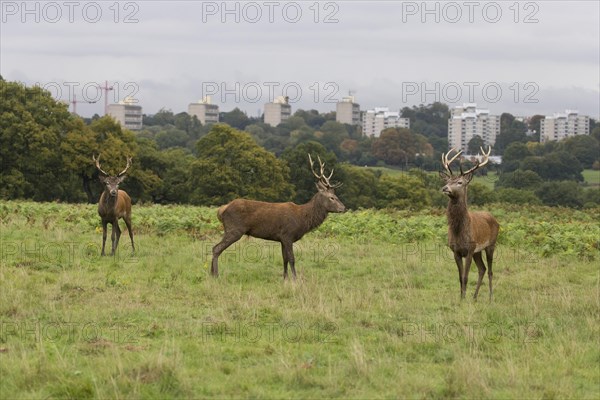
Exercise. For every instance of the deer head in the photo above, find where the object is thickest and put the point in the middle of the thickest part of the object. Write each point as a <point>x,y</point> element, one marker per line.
<point>111,182</point>
<point>456,185</point>
<point>326,190</point>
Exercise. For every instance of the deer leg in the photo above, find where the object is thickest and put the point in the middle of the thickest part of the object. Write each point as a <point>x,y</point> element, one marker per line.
<point>116,234</point>
<point>104,233</point>
<point>481,267</point>
<point>128,223</point>
<point>468,260</point>
<point>459,264</point>
<point>228,239</point>
<point>285,261</point>
<point>489,255</point>
<point>287,250</point>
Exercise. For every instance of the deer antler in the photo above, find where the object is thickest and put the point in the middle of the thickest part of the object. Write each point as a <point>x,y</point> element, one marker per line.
<point>486,159</point>
<point>97,161</point>
<point>321,176</point>
<point>446,163</point>
<point>126,168</point>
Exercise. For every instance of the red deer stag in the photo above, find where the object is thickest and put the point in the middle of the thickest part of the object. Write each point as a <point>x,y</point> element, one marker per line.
<point>114,204</point>
<point>281,222</point>
<point>469,233</point>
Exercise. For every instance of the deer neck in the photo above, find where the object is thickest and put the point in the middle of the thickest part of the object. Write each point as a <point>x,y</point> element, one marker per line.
<point>313,214</point>
<point>459,221</point>
<point>108,202</point>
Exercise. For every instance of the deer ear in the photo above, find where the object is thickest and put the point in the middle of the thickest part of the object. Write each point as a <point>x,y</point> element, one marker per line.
<point>122,178</point>
<point>444,175</point>
<point>468,177</point>
<point>102,178</point>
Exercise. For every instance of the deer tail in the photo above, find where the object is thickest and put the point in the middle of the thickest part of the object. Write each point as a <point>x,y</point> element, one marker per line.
<point>220,212</point>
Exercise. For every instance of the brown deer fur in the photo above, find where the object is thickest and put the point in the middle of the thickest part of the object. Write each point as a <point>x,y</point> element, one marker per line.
<point>282,222</point>
<point>469,233</point>
<point>114,204</point>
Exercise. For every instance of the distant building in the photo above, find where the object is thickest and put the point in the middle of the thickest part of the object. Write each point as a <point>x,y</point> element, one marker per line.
<point>347,111</point>
<point>126,113</point>
<point>277,111</point>
<point>380,118</point>
<point>206,112</point>
<point>467,121</point>
<point>561,126</point>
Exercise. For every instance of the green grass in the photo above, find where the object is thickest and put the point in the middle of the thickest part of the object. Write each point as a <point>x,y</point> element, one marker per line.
<point>375,312</point>
<point>591,177</point>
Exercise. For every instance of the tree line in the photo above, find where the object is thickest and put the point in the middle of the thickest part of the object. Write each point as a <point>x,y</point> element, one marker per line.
<point>46,155</point>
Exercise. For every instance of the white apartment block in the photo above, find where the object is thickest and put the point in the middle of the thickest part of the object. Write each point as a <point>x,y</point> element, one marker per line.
<point>277,111</point>
<point>206,112</point>
<point>127,114</point>
<point>347,111</point>
<point>467,121</point>
<point>376,120</point>
<point>564,125</point>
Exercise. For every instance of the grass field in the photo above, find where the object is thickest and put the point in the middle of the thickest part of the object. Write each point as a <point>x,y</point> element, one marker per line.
<point>591,177</point>
<point>375,312</point>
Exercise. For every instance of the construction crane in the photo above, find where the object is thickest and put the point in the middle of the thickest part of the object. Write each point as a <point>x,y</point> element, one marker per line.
<point>106,89</point>
<point>75,101</point>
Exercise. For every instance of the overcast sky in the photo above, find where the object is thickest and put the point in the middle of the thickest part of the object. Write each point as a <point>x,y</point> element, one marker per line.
<point>523,57</point>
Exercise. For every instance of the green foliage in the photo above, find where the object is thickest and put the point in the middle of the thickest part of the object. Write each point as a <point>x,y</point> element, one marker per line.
<point>584,148</point>
<point>430,121</point>
<point>235,118</point>
<point>519,179</point>
<point>32,125</point>
<point>400,146</point>
<point>300,173</point>
<point>517,196</point>
<point>480,194</point>
<point>231,165</point>
<point>511,131</point>
<point>360,189</point>
<point>475,144</point>
<point>566,194</point>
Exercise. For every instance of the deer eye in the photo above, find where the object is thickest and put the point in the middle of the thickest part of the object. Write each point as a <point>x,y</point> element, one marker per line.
<point>459,182</point>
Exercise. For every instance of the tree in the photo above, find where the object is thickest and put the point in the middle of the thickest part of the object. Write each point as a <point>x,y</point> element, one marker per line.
<point>172,137</point>
<point>162,117</point>
<point>430,120</point>
<point>583,147</point>
<point>554,166</point>
<point>511,131</point>
<point>519,179</point>
<point>300,174</point>
<point>32,125</point>
<point>566,194</point>
<point>474,144</point>
<point>360,188</point>
<point>311,118</point>
<point>535,126</point>
<point>235,118</point>
<point>230,165</point>
<point>333,134</point>
<point>399,146</point>
<point>514,154</point>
